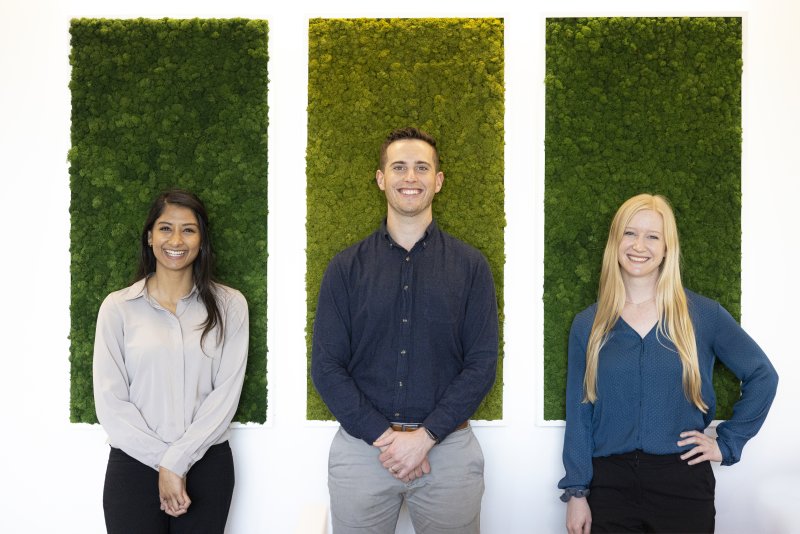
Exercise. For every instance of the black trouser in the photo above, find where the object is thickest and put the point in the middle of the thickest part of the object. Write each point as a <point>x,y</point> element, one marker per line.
<point>132,505</point>
<point>638,492</point>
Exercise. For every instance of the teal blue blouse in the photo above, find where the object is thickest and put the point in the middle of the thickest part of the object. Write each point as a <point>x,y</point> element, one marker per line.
<point>640,399</point>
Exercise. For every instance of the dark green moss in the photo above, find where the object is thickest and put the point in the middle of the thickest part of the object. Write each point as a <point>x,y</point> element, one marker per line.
<point>159,104</point>
<point>369,76</point>
<point>640,105</point>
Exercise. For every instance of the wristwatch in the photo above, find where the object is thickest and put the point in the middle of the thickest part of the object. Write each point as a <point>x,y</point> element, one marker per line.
<point>432,435</point>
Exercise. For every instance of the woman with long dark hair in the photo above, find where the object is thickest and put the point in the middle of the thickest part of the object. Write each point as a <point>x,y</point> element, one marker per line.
<point>169,362</point>
<point>639,390</point>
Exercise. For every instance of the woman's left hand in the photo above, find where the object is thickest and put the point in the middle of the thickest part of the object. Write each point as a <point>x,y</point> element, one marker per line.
<point>172,493</point>
<point>706,449</point>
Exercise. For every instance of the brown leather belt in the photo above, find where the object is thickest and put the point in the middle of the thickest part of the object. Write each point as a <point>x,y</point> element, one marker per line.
<point>410,427</point>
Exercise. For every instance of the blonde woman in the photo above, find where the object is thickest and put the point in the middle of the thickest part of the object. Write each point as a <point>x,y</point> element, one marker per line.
<point>639,391</point>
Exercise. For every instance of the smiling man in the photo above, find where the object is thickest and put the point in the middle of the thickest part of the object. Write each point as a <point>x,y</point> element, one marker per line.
<point>404,350</point>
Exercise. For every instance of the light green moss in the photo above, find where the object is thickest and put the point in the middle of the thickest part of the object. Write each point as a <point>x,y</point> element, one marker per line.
<point>369,76</point>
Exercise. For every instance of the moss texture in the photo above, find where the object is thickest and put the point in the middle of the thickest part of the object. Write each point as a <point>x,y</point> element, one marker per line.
<point>369,76</point>
<point>640,105</point>
<point>159,104</point>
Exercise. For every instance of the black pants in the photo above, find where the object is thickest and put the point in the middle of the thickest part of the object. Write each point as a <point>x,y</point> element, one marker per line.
<point>132,506</point>
<point>638,492</point>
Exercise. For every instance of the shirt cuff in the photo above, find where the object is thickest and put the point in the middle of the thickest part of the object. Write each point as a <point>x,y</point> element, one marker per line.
<point>574,492</point>
<point>440,426</point>
<point>728,458</point>
<point>176,461</point>
<point>372,429</point>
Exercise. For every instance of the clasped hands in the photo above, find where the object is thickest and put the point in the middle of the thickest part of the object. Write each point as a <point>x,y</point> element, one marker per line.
<point>172,493</point>
<point>405,454</point>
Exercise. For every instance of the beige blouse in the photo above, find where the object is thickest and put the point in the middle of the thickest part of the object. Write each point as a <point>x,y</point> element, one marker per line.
<point>161,398</point>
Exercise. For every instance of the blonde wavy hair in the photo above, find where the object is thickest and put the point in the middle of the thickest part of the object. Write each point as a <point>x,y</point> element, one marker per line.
<point>674,322</point>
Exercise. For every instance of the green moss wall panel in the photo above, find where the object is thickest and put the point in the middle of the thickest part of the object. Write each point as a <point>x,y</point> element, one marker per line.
<point>159,104</point>
<point>639,105</point>
<point>369,76</point>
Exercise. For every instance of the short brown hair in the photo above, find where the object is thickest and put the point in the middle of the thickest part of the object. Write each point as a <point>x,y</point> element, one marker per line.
<point>409,132</point>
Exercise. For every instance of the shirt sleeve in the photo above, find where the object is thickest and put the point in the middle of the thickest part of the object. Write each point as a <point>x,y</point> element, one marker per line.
<point>479,340</point>
<point>759,379</point>
<point>578,439</point>
<point>330,357</point>
<point>215,413</point>
<point>120,418</point>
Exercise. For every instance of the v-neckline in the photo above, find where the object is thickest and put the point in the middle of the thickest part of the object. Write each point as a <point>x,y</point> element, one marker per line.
<point>641,337</point>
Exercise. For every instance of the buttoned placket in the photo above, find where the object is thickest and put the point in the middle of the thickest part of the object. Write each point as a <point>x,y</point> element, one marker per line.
<point>405,326</point>
<point>639,385</point>
<point>404,338</point>
<point>178,365</point>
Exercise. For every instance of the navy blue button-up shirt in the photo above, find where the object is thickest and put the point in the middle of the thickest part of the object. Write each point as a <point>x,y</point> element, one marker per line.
<point>405,336</point>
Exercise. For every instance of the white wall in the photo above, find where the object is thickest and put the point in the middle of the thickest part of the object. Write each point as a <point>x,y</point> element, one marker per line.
<point>52,473</point>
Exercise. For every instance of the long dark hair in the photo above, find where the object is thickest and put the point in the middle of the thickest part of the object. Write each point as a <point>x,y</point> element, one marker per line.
<point>203,266</point>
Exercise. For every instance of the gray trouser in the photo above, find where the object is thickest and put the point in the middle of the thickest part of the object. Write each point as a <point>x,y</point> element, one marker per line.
<point>366,499</point>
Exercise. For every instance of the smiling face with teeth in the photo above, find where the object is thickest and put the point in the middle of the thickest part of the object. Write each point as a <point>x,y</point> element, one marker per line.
<point>175,239</point>
<point>642,247</point>
<point>409,179</point>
